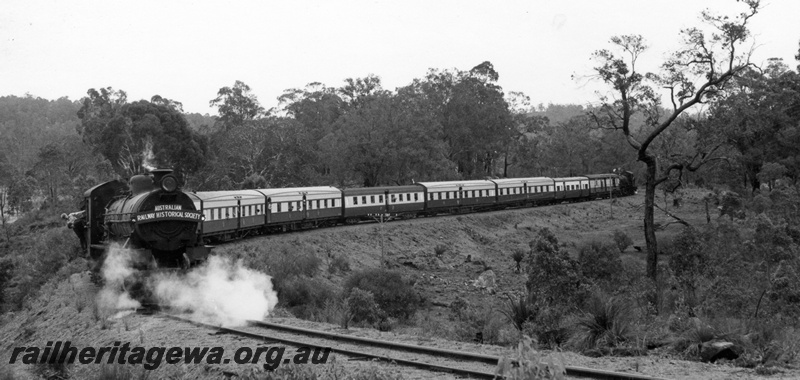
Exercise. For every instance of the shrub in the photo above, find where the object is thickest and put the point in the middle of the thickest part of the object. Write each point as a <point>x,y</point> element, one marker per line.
<point>283,263</point>
<point>553,276</point>
<point>361,307</point>
<point>6,273</point>
<point>304,296</point>
<point>521,310</point>
<point>339,264</point>
<point>333,311</point>
<point>599,261</point>
<point>440,249</point>
<point>528,364</point>
<point>605,323</point>
<point>622,240</point>
<point>517,256</point>
<point>549,326</point>
<point>394,295</point>
<point>478,323</point>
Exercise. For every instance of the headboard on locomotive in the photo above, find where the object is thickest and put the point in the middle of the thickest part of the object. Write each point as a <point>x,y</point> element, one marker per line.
<point>95,201</point>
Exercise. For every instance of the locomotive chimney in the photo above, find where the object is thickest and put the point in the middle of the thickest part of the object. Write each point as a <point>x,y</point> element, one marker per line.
<point>158,174</point>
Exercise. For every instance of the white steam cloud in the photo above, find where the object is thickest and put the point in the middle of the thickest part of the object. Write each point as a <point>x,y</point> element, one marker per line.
<point>219,291</point>
<point>147,155</point>
<point>116,269</point>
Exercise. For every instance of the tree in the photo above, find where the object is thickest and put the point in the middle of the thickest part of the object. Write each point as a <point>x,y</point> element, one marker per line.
<point>140,135</point>
<point>474,117</point>
<point>236,105</point>
<point>5,175</point>
<point>523,150</point>
<point>759,118</point>
<point>694,74</point>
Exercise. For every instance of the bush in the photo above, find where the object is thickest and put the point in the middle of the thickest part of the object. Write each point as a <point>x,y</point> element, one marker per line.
<point>440,249</point>
<point>549,326</point>
<point>518,255</point>
<point>304,296</point>
<point>553,277</point>
<point>599,261</point>
<point>361,307</point>
<point>339,264</point>
<point>527,364</point>
<point>480,324</point>
<point>605,323</point>
<point>622,240</point>
<point>521,311</point>
<point>6,273</point>
<point>394,295</point>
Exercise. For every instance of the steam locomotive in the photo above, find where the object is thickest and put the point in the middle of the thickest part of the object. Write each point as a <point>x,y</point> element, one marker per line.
<point>150,216</point>
<point>170,228</point>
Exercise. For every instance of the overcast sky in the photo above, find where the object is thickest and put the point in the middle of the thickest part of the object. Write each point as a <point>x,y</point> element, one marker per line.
<point>187,50</point>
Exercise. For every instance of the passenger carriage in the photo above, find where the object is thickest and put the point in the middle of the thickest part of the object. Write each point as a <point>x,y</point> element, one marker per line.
<point>222,210</point>
<point>511,191</point>
<point>290,208</point>
<point>569,188</point>
<point>603,185</point>
<point>540,190</point>
<point>455,195</point>
<point>366,202</point>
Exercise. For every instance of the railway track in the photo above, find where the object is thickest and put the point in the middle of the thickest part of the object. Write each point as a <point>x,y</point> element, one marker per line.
<point>460,363</point>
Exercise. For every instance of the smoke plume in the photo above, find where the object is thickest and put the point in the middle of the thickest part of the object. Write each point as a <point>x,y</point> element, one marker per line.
<point>219,292</point>
<point>116,269</point>
<point>148,158</point>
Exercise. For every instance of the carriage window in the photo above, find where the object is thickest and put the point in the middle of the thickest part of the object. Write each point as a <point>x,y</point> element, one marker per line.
<point>355,200</point>
<point>447,195</point>
<point>371,199</point>
<point>364,199</point>
<point>317,203</point>
<point>408,197</point>
<point>380,198</point>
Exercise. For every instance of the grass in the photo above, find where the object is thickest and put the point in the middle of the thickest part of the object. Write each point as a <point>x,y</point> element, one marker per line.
<point>605,323</point>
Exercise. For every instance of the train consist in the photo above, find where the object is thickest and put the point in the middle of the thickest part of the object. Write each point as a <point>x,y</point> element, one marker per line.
<point>171,228</point>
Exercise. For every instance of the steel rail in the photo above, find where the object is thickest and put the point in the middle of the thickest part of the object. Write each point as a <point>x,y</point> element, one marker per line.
<point>491,359</point>
<point>571,371</point>
<point>358,354</point>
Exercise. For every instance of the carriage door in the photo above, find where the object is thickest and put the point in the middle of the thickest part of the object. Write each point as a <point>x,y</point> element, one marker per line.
<point>238,212</point>
<point>305,207</point>
<point>268,210</point>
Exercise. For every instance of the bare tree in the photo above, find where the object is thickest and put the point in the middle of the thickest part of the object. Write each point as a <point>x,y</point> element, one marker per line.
<point>697,72</point>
